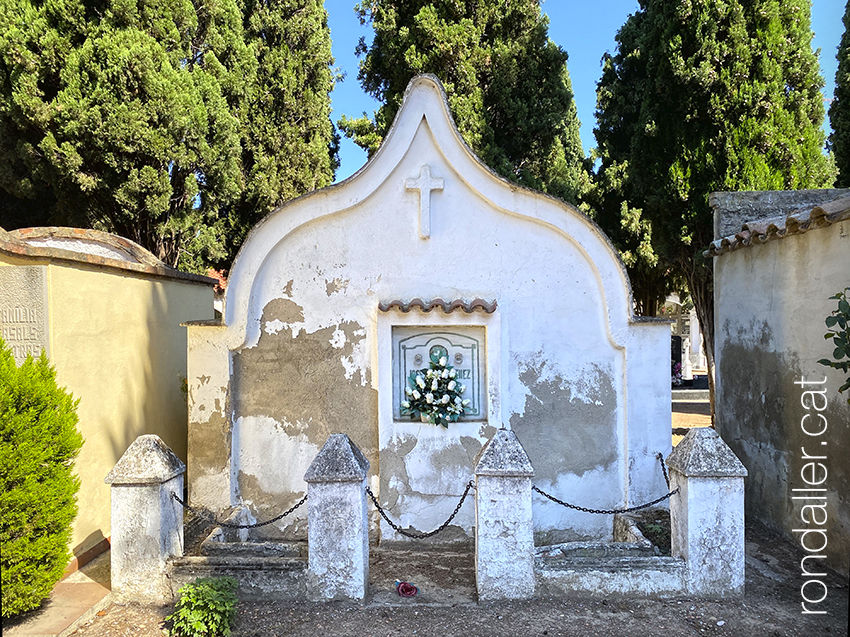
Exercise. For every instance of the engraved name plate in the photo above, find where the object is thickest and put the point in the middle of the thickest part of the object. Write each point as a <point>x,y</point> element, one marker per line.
<point>414,347</point>
<point>23,310</point>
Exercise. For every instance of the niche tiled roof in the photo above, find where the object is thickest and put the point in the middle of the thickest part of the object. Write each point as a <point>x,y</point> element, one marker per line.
<point>798,222</point>
<point>446,306</point>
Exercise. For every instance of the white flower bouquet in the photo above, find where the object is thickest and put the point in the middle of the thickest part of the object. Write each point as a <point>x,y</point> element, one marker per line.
<point>433,395</point>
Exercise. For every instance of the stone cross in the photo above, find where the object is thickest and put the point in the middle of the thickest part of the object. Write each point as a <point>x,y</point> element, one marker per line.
<point>424,184</point>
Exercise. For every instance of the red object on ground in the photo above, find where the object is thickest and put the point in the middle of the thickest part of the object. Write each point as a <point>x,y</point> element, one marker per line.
<point>405,589</point>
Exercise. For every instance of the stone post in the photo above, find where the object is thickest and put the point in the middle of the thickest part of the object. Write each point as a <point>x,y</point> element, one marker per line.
<point>147,523</point>
<point>707,515</point>
<point>504,536</point>
<point>337,526</point>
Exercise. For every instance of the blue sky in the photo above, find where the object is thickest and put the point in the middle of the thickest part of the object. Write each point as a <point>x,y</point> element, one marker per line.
<point>584,29</point>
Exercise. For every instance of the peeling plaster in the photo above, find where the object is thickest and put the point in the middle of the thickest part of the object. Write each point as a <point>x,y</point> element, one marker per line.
<point>578,417</point>
<point>337,285</point>
<point>291,391</point>
<point>306,350</point>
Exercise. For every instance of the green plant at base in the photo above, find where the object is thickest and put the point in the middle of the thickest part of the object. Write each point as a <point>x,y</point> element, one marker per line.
<point>206,608</point>
<point>38,443</point>
<point>839,331</point>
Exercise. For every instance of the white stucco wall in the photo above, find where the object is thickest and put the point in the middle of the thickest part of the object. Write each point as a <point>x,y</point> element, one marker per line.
<point>585,387</point>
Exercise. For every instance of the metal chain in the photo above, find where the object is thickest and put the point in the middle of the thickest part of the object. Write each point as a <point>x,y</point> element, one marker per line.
<point>211,518</point>
<point>420,536</point>
<point>663,468</point>
<point>612,511</point>
<point>601,511</point>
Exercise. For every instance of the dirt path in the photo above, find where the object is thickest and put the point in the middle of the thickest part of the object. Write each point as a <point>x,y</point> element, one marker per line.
<point>771,607</point>
<point>688,414</point>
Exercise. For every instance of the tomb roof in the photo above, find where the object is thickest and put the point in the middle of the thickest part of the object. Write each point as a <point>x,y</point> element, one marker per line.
<point>92,247</point>
<point>803,219</point>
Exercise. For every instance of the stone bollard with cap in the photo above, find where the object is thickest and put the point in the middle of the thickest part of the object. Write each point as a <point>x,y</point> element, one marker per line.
<point>337,525</point>
<point>707,515</point>
<point>504,535</point>
<point>147,523</point>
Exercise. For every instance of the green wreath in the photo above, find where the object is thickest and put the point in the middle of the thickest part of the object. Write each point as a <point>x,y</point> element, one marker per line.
<point>433,395</point>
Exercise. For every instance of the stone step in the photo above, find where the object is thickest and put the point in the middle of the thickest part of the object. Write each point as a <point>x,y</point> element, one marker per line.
<point>216,544</point>
<point>610,577</point>
<point>597,550</point>
<point>260,578</point>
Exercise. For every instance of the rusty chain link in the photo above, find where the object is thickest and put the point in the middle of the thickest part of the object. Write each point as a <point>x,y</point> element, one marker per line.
<point>420,536</point>
<point>211,518</point>
<point>613,511</point>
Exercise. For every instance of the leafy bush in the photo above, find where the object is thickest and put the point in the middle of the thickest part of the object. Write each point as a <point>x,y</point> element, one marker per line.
<point>38,444</point>
<point>839,331</point>
<point>206,608</point>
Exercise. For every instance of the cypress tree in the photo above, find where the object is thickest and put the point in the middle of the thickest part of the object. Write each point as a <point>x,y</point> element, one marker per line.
<point>507,84</point>
<point>153,118</point>
<point>839,110</point>
<point>38,444</point>
<point>618,103</point>
<point>726,97</point>
<point>289,145</point>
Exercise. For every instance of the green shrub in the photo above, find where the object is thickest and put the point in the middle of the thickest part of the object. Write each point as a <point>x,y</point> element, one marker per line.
<point>206,608</point>
<point>38,443</point>
<point>839,331</point>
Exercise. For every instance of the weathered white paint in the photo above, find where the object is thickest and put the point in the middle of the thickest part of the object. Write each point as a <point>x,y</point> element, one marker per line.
<point>260,445</point>
<point>707,514</point>
<point>564,321</point>
<point>147,523</point>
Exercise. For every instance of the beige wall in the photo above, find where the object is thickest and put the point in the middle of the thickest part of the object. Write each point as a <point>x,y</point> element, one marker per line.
<point>117,345</point>
<point>770,304</point>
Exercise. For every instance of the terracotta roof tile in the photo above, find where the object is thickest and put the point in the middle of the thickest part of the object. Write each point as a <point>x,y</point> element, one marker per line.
<point>467,306</point>
<point>774,228</point>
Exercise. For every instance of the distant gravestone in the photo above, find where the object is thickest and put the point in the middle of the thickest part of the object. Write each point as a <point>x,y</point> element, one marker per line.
<point>23,310</point>
<point>340,298</point>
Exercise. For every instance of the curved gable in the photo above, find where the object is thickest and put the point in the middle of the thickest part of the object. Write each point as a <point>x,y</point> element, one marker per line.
<point>424,134</point>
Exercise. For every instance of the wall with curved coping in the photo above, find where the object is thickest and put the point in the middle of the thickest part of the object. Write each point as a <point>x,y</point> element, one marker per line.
<point>304,350</point>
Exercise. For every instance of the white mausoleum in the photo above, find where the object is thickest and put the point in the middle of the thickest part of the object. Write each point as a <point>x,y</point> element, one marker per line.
<point>336,296</point>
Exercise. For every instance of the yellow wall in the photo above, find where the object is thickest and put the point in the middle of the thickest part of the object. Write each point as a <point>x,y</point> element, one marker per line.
<point>117,345</point>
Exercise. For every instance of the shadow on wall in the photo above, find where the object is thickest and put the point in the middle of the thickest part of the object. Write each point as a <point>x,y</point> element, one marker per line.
<point>761,414</point>
<point>153,379</point>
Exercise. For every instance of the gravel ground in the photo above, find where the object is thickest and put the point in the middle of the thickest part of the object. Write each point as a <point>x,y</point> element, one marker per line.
<point>771,607</point>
